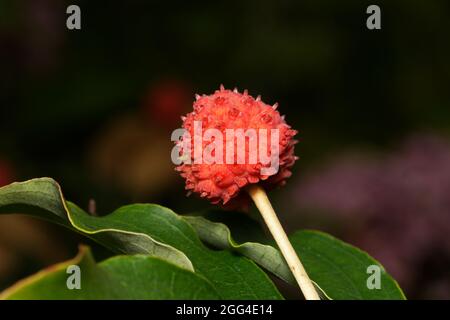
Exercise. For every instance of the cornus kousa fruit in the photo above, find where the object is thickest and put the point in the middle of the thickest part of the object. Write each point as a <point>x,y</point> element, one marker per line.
<point>231,140</point>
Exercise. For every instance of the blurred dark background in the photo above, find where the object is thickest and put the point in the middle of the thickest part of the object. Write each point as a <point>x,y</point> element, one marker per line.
<point>94,109</point>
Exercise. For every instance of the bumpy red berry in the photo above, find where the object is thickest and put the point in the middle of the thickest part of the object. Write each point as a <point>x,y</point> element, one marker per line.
<point>225,109</point>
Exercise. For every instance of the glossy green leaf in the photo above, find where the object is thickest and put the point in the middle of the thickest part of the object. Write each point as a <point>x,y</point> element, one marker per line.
<point>338,269</point>
<point>147,229</point>
<point>120,277</point>
<point>342,270</point>
<point>43,198</point>
<point>219,236</point>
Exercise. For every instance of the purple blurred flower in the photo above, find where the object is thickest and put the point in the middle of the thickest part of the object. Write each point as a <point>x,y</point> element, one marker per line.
<point>401,202</point>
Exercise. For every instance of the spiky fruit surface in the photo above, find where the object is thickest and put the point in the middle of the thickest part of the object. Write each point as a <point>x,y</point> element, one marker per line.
<point>225,109</point>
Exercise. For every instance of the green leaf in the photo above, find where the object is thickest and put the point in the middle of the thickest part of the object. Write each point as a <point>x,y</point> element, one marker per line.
<point>120,277</point>
<point>147,229</point>
<point>243,226</point>
<point>219,236</point>
<point>43,198</point>
<point>341,269</point>
<point>337,268</point>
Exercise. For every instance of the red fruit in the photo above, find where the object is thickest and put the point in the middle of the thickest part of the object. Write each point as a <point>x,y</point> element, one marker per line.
<point>227,109</point>
<point>166,100</point>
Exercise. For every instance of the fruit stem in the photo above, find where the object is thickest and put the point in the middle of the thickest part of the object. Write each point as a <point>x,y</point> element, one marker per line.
<point>261,200</point>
